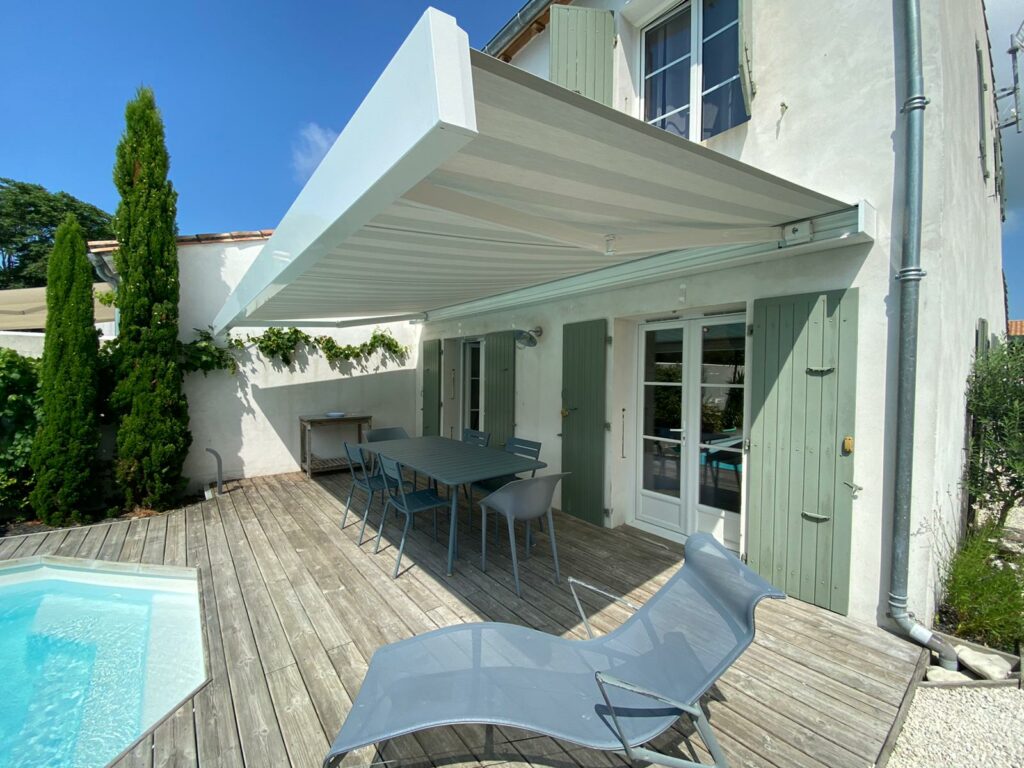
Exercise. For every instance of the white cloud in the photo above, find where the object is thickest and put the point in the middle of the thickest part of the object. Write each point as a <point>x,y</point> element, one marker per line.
<point>309,148</point>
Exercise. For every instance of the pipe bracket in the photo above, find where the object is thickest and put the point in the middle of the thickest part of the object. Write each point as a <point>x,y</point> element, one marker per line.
<point>917,101</point>
<point>910,274</point>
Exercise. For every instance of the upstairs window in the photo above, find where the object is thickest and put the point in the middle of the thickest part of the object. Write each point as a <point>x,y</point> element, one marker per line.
<point>691,70</point>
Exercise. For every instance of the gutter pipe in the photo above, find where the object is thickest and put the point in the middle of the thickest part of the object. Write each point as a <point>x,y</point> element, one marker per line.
<point>909,277</point>
<point>524,17</point>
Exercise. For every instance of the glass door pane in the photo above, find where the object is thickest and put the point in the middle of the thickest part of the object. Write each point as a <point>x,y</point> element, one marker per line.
<point>722,432</point>
<point>662,425</point>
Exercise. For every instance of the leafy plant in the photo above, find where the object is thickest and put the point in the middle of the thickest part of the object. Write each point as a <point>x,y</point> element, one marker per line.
<point>153,436</point>
<point>19,405</point>
<point>280,343</point>
<point>995,399</point>
<point>204,354</point>
<point>985,592</point>
<point>379,341</point>
<point>65,447</point>
<point>29,217</point>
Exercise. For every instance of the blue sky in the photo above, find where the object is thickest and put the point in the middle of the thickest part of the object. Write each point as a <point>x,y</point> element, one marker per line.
<point>251,94</point>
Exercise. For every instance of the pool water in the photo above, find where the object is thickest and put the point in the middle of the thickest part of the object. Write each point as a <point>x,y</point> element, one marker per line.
<point>89,660</point>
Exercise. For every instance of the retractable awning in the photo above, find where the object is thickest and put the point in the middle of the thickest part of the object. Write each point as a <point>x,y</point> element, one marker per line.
<point>24,309</point>
<point>461,177</point>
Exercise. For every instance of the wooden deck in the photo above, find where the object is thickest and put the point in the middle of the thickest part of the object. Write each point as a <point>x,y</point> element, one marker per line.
<point>294,609</point>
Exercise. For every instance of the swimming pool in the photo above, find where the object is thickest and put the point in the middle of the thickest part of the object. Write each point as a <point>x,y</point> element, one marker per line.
<point>92,655</point>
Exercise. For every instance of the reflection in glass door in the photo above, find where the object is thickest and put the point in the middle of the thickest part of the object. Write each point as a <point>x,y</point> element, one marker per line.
<point>723,348</point>
<point>692,373</point>
<point>663,428</point>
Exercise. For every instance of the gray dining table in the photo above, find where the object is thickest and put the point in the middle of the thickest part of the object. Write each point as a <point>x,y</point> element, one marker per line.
<point>452,463</point>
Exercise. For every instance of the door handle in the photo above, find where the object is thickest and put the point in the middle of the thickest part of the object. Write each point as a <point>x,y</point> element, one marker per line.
<point>813,516</point>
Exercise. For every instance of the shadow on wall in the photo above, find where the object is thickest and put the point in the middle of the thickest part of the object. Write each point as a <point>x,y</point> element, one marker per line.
<point>251,418</point>
<point>389,397</point>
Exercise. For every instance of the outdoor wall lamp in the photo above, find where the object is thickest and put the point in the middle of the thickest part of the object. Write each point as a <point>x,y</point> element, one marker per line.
<point>528,338</point>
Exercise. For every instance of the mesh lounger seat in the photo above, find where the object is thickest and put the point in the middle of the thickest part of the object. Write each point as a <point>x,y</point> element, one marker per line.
<point>613,693</point>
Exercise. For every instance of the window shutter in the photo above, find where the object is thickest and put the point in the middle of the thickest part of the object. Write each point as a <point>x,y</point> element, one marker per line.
<point>500,386</point>
<point>431,355</point>
<point>746,51</point>
<point>580,59</point>
<point>982,116</point>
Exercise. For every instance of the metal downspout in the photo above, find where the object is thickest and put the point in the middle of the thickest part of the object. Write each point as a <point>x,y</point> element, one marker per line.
<point>909,278</point>
<point>523,18</point>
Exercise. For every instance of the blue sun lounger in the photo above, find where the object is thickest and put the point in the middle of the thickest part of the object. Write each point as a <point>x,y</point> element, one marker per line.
<point>613,693</point>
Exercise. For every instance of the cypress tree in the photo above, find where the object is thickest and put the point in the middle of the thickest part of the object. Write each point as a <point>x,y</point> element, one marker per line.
<point>65,446</point>
<point>153,436</point>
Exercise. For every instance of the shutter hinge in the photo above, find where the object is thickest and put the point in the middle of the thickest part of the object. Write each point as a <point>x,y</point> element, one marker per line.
<point>608,339</point>
<point>750,329</point>
<point>607,426</point>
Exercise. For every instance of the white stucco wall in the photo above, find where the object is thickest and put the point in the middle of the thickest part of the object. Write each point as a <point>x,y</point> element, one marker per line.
<point>251,418</point>
<point>834,66</point>
<point>26,343</point>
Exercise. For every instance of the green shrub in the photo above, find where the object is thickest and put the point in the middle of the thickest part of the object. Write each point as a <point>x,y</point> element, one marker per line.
<point>985,592</point>
<point>995,399</point>
<point>65,447</point>
<point>153,436</point>
<point>19,402</point>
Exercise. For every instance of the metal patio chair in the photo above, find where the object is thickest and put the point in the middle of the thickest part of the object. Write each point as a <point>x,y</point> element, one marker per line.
<point>518,446</point>
<point>381,434</point>
<point>368,482</point>
<point>525,500</point>
<point>476,437</point>
<point>410,504</point>
<point>614,693</point>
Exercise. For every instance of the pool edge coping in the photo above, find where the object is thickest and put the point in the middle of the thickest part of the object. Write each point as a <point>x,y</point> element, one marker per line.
<point>138,569</point>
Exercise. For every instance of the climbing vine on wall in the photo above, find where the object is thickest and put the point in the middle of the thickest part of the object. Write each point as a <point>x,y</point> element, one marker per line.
<point>282,344</point>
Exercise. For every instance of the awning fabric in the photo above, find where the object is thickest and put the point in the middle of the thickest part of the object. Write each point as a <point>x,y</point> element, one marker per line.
<point>461,177</point>
<point>24,309</point>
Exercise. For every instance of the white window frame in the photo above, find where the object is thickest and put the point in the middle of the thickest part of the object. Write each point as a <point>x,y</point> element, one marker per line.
<point>697,92</point>
<point>689,498</point>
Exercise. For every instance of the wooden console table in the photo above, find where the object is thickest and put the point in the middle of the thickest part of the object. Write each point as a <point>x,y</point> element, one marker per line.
<point>309,461</point>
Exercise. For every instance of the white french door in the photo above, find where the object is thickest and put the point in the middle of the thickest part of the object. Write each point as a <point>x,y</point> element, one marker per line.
<point>691,435</point>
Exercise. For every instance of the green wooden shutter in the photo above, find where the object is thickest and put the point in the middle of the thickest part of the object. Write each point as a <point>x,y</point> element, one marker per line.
<point>801,484</point>
<point>746,52</point>
<point>432,387</point>
<point>500,386</point>
<point>584,357</point>
<point>982,111</point>
<point>982,340</point>
<point>582,43</point>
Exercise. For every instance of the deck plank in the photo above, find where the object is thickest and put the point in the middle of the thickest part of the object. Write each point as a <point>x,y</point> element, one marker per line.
<point>217,740</point>
<point>69,547</point>
<point>258,727</point>
<point>174,740</point>
<point>113,542</point>
<point>294,608</point>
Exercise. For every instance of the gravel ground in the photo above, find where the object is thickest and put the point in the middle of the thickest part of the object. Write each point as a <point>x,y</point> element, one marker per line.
<point>962,728</point>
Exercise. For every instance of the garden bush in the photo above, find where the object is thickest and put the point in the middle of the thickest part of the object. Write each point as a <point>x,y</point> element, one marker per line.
<point>18,414</point>
<point>985,592</point>
<point>153,436</point>
<point>995,400</point>
<point>65,447</point>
